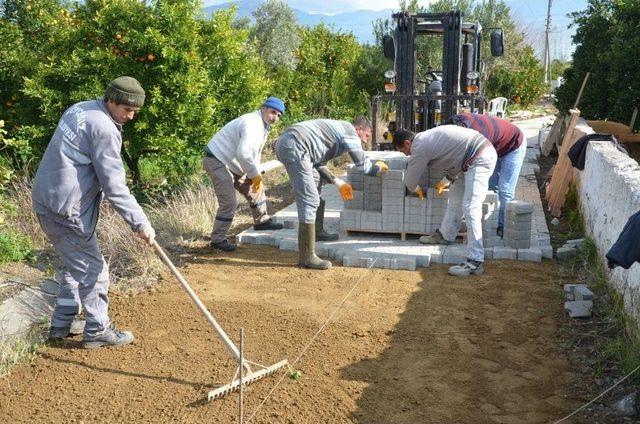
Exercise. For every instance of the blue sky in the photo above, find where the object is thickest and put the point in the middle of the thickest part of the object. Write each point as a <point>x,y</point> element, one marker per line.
<point>530,14</point>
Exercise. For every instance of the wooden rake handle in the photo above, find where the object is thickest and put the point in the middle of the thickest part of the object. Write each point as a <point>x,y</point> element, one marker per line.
<point>225,339</point>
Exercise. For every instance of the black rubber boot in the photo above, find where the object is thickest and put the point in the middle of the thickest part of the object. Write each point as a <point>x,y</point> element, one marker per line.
<point>307,248</point>
<point>321,234</point>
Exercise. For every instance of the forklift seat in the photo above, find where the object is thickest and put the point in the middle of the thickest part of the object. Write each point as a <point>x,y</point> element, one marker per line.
<point>497,107</point>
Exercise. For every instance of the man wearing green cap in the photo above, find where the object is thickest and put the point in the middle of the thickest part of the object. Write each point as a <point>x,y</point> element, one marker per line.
<point>232,160</point>
<point>81,165</point>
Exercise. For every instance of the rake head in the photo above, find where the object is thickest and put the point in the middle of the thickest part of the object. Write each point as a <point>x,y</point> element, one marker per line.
<point>248,379</point>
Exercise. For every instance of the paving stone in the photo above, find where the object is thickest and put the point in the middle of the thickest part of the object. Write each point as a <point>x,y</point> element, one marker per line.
<point>568,291</point>
<point>504,253</point>
<point>288,244</point>
<point>578,308</point>
<point>582,292</point>
<point>533,255</point>
<point>519,206</point>
<point>564,253</point>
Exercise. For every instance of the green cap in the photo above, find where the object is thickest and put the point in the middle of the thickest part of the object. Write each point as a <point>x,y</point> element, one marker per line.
<point>125,90</point>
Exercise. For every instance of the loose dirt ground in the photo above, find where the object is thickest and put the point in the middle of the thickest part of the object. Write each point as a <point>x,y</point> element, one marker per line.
<point>406,347</point>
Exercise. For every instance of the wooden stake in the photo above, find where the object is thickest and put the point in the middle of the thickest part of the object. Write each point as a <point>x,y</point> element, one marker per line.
<point>584,82</point>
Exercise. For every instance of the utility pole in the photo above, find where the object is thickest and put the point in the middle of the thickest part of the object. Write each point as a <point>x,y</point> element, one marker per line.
<point>547,54</point>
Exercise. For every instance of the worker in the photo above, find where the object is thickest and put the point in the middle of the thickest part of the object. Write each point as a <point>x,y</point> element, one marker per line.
<point>511,147</point>
<point>81,164</point>
<point>304,149</point>
<point>232,160</point>
<point>453,150</point>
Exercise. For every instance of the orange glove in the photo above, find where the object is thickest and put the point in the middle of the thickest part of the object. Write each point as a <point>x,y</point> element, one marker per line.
<point>420,193</point>
<point>256,184</point>
<point>383,166</point>
<point>442,186</point>
<point>345,189</point>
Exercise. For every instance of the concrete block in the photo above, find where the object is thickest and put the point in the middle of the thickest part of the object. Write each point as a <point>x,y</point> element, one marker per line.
<point>357,201</point>
<point>582,292</point>
<point>454,254</point>
<point>547,251</point>
<point>518,243</point>
<point>578,308</point>
<point>289,244</point>
<point>488,253</point>
<point>492,197</point>
<point>265,239</point>
<point>505,253</point>
<point>533,255</point>
<point>246,238</point>
<point>519,206</point>
<point>568,291</point>
<point>578,244</point>
<point>564,253</point>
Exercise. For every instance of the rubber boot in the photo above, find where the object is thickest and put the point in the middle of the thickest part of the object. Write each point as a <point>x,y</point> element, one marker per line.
<point>307,248</point>
<point>321,234</point>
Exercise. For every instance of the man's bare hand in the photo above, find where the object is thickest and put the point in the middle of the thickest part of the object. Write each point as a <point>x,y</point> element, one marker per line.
<point>148,234</point>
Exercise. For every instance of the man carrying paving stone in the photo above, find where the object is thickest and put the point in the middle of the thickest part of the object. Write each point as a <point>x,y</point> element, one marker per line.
<point>511,147</point>
<point>453,150</point>
<point>304,149</point>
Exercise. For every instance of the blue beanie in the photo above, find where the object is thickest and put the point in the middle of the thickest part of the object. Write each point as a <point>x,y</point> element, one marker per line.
<point>274,103</point>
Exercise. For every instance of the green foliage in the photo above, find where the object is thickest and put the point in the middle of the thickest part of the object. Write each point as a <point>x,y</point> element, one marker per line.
<point>558,67</point>
<point>521,83</point>
<point>276,34</point>
<point>322,84</point>
<point>608,46</point>
<point>13,245</point>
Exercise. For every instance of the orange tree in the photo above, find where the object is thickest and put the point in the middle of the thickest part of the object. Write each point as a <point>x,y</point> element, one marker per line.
<point>195,73</point>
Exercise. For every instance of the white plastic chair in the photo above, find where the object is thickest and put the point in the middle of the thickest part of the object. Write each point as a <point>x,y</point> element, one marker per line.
<point>497,107</point>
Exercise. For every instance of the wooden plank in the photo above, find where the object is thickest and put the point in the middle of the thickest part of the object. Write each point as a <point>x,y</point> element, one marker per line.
<point>554,133</point>
<point>622,132</point>
<point>584,82</point>
<point>563,171</point>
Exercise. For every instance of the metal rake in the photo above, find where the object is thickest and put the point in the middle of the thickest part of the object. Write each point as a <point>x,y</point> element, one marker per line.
<point>249,376</point>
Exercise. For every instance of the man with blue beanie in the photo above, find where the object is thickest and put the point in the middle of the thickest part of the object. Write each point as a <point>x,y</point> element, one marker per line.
<point>232,160</point>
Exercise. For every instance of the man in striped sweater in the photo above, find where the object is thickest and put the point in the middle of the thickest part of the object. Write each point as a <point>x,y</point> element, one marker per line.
<point>454,150</point>
<point>511,147</point>
<point>304,149</point>
<point>232,160</point>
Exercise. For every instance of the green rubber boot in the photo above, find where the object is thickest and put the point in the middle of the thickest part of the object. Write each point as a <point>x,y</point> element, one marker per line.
<point>321,234</point>
<point>307,248</point>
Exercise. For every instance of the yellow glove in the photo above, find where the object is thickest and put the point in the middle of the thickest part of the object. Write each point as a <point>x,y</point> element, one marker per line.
<point>441,186</point>
<point>420,193</point>
<point>383,166</point>
<point>345,189</point>
<point>256,184</point>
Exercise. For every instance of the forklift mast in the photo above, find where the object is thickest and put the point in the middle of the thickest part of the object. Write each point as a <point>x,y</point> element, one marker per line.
<point>454,87</point>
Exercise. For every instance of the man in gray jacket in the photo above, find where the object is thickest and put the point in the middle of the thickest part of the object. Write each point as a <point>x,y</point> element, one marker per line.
<point>454,150</point>
<point>81,164</point>
<point>304,149</point>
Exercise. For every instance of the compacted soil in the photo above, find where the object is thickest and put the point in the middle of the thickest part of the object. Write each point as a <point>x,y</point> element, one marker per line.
<point>405,347</point>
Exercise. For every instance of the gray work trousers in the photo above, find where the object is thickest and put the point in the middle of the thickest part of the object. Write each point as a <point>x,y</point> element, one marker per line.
<point>304,177</point>
<point>84,278</point>
<point>225,183</point>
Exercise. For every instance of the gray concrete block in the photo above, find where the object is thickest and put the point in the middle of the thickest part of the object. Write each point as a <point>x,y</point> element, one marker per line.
<point>519,206</point>
<point>518,243</point>
<point>504,253</point>
<point>357,201</point>
<point>533,255</point>
<point>582,292</point>
<point>568,291</point>
<point>578,308</point>
<point>578,244</point>
<point>492,197</point>
<point>547,251</point>
<point>245,238</point>
<point>289,244</point>
<point>265,239</point>
<point>564,253</point>
<point>454,254</point>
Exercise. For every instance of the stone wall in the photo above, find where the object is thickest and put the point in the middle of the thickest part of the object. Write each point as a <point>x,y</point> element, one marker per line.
<point>609,195</point>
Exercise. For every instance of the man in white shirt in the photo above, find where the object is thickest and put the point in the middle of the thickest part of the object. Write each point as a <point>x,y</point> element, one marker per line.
<point>232,160</point>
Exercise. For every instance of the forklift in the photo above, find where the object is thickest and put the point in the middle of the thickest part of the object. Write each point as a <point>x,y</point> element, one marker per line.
<point>419,97</point>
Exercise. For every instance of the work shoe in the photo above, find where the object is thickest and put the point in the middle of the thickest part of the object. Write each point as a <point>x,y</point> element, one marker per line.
<point>76,327</point>
<point>500,232</point>
<point>307,248</point>
<point>435,238</point>
<point>110,337</point>
<point>269,224</point>
<point>224,245</point>
<point>321,234</point>
<point>468,267</point>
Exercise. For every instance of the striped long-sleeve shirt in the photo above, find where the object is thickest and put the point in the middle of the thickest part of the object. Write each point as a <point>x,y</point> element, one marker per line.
<point>504,136</point>
<point>446,148</point>
<point>326,139</point>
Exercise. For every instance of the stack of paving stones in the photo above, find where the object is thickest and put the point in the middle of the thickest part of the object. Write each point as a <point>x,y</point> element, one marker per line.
<point>518,233</point>
<point>382,204</point>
